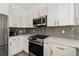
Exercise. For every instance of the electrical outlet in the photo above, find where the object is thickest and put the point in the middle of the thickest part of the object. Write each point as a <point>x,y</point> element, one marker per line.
<point>63,31</point>
<point>33,30</point>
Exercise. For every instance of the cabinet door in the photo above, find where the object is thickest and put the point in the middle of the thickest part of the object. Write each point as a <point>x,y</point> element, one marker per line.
<point>30,19</point>
<point>17,16</point>
<point>58,14</point>
<point>26,44</point>
<point>14,46</point>
<point>51,15</point>
<point>11,21</point>
<point>36,13</point>
<point>43,10</point>
<point>4,8</point>
<point>46,49</point>
<point>23,20</point>
<point>12,16</point>
<point>20,43</point>
<point>62,14</point>
<point>61,50</point>
<point>76,9</point>
<point>9,47</point>
<point>72,20</point>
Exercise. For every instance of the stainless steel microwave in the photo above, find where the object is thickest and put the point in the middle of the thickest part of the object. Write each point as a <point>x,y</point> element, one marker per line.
<point>40,21</point>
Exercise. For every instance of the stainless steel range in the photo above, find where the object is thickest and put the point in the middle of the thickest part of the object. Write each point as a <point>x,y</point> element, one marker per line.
<point>36,44</point>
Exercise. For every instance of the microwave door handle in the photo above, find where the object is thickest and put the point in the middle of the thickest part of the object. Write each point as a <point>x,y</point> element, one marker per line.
<point>41,20</point>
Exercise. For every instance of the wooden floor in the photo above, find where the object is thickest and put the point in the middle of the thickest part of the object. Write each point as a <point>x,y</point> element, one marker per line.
<point>22,53</point>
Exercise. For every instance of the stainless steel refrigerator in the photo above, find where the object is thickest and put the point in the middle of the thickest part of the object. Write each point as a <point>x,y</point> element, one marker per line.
<point>3,35</point>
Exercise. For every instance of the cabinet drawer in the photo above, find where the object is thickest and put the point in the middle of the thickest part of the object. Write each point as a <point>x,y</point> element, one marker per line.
<point>61,50</point>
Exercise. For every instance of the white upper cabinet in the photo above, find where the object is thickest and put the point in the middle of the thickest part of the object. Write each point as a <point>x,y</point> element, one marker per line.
<point>40,11</point>
<point>57,14</point>
<point>17,16</point>
<point>24,20</point>
<point>4,8</point>
<point>60,14</point>
<point>71,14</point>
<point>29,19</point>
<point>76,9</point>
<point>11,21</point>
<point>43,10</point>
<point>13,16</point>
<point>34,13</point>
<point>51,15</point>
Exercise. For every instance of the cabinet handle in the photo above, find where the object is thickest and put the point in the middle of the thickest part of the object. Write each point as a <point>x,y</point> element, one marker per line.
<point>58,22</point>
<point>60,48</point>
<point>10,43</point>
<point>13,39</point>
<point>51,52</point>
<point>14,25</point>
<point>55,22</point>
<point>76,21</point>
<point>18,38</point>
<point>46,43</point>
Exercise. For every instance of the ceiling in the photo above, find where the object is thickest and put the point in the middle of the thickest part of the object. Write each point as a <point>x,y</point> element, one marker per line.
<point>28,6</point>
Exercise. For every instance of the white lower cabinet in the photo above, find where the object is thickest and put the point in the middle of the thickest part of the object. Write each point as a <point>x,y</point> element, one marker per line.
<point>52,49</point>
<point>61,50</point>
<point>13,46</point>
<point>18,44</point>
<point>26,45</point>
<point>46,49</point>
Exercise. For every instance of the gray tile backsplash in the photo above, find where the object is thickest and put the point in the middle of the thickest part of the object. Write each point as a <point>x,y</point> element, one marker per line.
<point>57,32</point>
<point>71,32</point>
<point>40,30</point>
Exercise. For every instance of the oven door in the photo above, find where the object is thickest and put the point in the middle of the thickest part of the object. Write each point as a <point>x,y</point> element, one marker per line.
<point>36,49</point>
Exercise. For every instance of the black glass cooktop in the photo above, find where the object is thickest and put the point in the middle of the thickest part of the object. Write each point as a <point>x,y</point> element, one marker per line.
<point>40,36</point>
